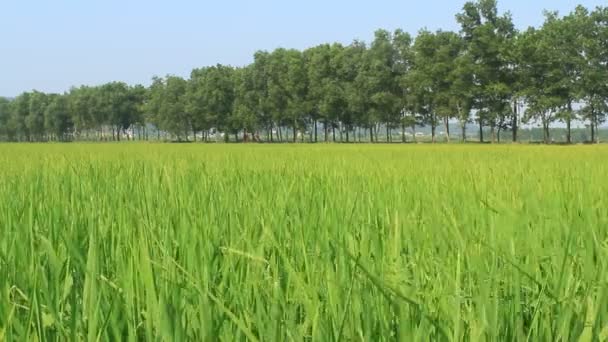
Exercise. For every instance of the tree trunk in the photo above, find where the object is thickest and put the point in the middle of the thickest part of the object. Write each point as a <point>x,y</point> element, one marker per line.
<point>414,134</point>
<point>597,135</point>
<point>493,132</point>
<point>347,134</point>
<point>333,133</point>
<point>447,129</point>
<point>480,131</point>
<point>376,133</point>
<point>568,131</point>
<point>545,129</point>
<point>592,130</point>
<point>388,135</point>
<point>295,136</point>
<point>433,129</point>
<point>463,127</point>
<point>371,134</point>
<point>316,137</point>
<point>403,140</point>
<point>515,123</point>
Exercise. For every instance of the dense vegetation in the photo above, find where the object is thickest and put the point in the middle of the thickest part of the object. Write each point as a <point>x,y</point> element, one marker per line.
<point>290,242</point>
<point>489,74</point>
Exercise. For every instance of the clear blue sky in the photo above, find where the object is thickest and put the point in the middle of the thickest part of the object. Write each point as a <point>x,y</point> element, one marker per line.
<point>52,45</point>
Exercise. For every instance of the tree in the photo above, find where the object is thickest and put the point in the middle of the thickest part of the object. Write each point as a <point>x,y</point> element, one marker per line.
<point>461,91</point>
<point>211,98</point>
<point>166,106</point>
<point>81,106</point>
<point>287,89</point>
<point>247,107</point>
<point>594,73</point>
<point>320,76</point>
<point>489,38</point>
<point>358,91</point>
<point>563,37</point>
<point>432,78</point>
<point>402,45</point>
<point>5,114</point>
<point>541,86</point>
<point>20,110</point>
<point>383,81</point>
<point>57,121</point>
<point>118,107</point>
<point>34,120</point>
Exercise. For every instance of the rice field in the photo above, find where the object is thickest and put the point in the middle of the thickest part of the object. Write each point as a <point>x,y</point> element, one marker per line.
<point>162,242</point>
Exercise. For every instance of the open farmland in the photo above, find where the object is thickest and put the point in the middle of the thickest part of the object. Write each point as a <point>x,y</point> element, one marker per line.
<point>325,243</point>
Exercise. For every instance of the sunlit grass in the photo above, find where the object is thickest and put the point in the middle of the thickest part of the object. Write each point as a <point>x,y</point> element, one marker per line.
<point>324,242</point>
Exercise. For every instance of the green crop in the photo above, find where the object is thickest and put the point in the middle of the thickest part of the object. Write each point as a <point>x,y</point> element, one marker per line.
<point>326,243</point>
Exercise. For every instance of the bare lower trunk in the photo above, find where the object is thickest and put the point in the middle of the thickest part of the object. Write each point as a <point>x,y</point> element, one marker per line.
<point>546,136</point>
<point>515,123</point>
<point>463,128</point>
<point>388,134</point>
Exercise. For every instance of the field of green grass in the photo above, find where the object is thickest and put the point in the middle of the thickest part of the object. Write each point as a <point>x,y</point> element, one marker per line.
<point>303,242</point>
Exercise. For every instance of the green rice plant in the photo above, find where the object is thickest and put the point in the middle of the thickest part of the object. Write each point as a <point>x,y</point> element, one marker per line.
<point>305,243</point>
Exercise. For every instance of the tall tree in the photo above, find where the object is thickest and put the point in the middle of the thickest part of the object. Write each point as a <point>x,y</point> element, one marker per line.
<point>541,88</point>
<point>5,114</point>
<point>383,80</point>
<point>564,36</point>
<point>488,36</point>
<point>166,106</point>
<point>320,76</point>
<point>118,107</point>
<point>20,109</point>
<point>432,78</point>
<point>247,107</point>
<point>57,121</point>
<point>34,120</point>
<point>594,78</point>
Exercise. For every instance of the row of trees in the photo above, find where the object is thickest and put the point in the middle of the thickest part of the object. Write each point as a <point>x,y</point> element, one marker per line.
<point>489,73</point>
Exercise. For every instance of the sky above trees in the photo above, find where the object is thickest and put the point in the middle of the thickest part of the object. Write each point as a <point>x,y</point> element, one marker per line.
<point>50,46</point>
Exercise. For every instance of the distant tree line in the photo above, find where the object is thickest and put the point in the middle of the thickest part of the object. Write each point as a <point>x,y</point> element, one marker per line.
<point>488,74</point>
